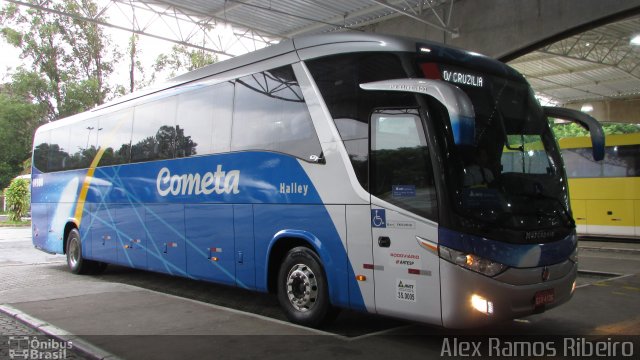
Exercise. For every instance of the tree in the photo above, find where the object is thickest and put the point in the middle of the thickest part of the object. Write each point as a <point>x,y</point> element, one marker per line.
<point>66,63</point>
<point>565,130</point>
<point>17,197</point>
<point>19,118</point>
<point>135,68</point>
<point>182,59</point>
<point>69,57</point>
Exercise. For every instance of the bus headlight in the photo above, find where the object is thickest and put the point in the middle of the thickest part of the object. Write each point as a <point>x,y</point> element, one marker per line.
<point>472,262</point>
<point>481,304</point>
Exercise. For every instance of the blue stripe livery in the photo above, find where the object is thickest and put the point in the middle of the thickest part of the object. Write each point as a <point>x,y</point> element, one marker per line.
<point>214,218</point>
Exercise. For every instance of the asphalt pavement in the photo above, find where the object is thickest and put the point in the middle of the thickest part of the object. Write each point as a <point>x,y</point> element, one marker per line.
<point>132,314</point>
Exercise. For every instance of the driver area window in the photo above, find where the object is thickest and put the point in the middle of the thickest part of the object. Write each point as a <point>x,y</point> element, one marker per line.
<point>401,171</point>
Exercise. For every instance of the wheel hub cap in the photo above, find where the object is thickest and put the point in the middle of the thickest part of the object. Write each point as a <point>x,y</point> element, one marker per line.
<point>74,253</point>
<point>302,287</point>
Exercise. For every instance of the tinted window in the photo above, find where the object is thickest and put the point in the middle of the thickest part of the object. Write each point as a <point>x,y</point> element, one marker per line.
<point>59,150</point>
<point>114,135</point>
<point>270,114</point>
<point>204,120</point>
<point>154,131</point>
<point>41,150</point>
<point>83,143</point>
<point>339,78</point>
<point>401,171</point>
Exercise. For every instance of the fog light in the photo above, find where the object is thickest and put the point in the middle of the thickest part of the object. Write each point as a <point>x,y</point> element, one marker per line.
<point>481,304</point>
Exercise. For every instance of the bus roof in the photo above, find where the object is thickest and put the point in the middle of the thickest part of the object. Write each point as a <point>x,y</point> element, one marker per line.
<point>310,47</point>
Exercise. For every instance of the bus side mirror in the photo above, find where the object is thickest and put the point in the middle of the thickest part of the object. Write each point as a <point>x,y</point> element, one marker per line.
<point>584,120</point>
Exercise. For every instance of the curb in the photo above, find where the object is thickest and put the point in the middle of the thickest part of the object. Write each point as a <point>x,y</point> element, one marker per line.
<point>599,248</point>
<point>600,273</point>
<point>80,345</point>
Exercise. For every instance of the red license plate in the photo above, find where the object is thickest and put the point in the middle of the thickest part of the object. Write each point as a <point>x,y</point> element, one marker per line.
<point>544,297</point>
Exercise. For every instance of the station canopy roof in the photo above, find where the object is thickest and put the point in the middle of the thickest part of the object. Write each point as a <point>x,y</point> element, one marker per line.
<point>598,64</point>
<point>601,63</point>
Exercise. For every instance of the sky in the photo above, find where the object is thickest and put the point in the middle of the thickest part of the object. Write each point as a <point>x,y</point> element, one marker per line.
<point>150,47</point>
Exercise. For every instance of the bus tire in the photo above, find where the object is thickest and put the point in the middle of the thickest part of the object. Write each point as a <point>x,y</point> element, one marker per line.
<point>77,264</point>
<point>302,288</point>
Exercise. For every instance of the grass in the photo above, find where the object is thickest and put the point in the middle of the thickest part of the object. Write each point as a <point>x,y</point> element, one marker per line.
<point>8,223</point>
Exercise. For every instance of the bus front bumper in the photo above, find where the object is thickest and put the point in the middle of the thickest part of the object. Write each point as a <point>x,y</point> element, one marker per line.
<point>470,299</point>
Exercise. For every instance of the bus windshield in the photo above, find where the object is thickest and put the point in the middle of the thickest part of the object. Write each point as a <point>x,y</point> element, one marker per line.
<point>510,175</point>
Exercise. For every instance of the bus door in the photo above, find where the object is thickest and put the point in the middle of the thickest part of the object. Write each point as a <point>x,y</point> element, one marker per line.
<point>403,197</point>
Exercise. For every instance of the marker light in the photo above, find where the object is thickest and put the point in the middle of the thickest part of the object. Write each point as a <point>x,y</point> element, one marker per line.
<point>472,262</point>
<point>361,278</point>
<point>573,287</point>
<point>481,304</point>
<point>574,255</point>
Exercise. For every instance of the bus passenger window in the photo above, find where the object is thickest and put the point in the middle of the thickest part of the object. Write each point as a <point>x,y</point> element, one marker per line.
<point>203,120</point>
<point>59,150</point>
<point>270,114</point>
<point>82,145</point>
<point>114,136</point>
<point>41,150</point>
<point>154,130</point>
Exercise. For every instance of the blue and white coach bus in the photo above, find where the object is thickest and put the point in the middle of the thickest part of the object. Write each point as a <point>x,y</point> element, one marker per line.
<point>340,171</point>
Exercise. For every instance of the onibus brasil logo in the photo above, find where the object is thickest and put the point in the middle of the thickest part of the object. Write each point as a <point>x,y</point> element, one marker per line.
<point>25,347</point>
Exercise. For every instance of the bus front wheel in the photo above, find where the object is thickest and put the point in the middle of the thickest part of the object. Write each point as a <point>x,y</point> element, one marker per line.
<point>302,288</point>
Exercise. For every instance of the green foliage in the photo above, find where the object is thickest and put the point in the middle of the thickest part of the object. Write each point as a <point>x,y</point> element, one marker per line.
<point>18,120</point>
<point>183,59</point>
<point>17,198</point>
<point>574,130</point>
<point>619,129</point>
<point>568,130</point>
<point>80,96</point>
<point>69,57</point>
<point>66,63</point>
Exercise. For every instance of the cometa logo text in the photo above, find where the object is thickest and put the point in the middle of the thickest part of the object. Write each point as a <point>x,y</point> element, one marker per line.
<point>220,182</point>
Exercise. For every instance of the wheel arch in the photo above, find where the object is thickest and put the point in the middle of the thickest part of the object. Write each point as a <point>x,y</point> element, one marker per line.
<point>286,240</point>
<point>71,224</point>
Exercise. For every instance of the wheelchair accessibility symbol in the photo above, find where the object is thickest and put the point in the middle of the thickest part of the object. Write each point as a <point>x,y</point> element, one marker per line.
<point>378,218</point>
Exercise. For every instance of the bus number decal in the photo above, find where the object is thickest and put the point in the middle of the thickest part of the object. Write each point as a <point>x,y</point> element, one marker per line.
<point>406,290</point>
<point>37,182</point>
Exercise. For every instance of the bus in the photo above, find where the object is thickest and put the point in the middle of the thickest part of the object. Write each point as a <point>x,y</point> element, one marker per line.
<point>333,170</point>
<point>614,209</point>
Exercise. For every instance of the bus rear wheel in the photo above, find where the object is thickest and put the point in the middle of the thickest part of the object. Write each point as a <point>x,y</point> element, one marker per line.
<point>302,288</point>
<point>77,264</point>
